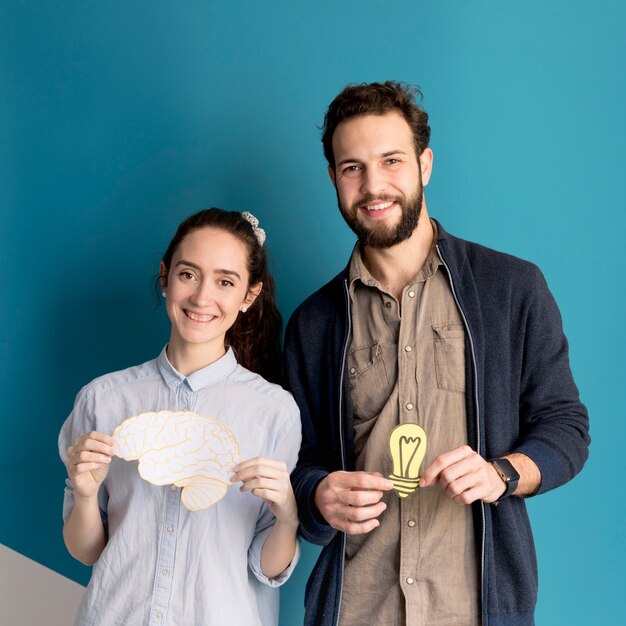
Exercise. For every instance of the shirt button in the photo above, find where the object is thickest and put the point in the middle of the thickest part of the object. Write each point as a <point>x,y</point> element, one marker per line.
<point>407,348</point>
<point>159,614</point>
<point>170,529</point>
<point>165,572</point>
<point>411,523</point>
<point>388,304</point>
<point>173,487</point>
<point>409,581</point>
<point>353,370</point>
<point>409,406</point>
<point>411,294</point>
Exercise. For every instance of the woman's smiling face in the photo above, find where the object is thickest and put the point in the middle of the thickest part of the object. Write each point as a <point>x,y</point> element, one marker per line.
<point>206,288</point>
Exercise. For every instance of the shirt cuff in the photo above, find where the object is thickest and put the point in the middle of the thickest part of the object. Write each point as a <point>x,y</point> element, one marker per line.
<point>254,561</point>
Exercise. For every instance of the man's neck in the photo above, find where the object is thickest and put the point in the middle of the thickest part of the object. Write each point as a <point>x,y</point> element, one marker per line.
<point>395,267</point>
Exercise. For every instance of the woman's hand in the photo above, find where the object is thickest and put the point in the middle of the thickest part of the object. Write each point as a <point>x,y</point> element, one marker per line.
<point>88,460</point>
<point>269,479</point>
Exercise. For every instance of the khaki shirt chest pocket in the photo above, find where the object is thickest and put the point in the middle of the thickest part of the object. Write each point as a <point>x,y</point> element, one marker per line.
<point>369,385</point>
<point>449,341</point>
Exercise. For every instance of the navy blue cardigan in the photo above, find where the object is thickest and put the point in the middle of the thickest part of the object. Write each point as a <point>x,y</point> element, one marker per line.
<point>520,397</point>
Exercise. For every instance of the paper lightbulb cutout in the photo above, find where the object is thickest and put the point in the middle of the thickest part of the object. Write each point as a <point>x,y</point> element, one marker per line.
<point>407,443</point>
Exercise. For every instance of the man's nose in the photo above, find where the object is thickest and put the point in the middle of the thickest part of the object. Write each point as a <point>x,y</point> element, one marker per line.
<point>373,182</point>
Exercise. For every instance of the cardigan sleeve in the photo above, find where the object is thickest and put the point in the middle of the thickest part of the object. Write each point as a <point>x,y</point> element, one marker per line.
<point>303,365</point>
<point>554,424</point>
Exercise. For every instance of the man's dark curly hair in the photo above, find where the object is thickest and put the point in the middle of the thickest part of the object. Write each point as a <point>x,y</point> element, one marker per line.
<point>377,99</point>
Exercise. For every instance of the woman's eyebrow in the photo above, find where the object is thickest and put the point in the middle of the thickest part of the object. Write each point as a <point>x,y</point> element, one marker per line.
<point>195,266</point>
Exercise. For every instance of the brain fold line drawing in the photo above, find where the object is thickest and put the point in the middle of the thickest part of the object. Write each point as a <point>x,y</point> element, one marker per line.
<point>181,448</point>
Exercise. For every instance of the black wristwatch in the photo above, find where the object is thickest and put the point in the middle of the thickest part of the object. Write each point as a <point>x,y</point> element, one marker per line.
<point>508,474</point>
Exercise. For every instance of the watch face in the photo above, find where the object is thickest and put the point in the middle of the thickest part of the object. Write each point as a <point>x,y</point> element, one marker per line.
<point>507,472</point>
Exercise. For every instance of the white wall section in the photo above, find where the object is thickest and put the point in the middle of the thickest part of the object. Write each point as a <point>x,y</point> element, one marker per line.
<point>33,595</point>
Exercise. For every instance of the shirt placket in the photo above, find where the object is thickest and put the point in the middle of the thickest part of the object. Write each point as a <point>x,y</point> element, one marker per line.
<point>164,573</point>
<point>407,398</point>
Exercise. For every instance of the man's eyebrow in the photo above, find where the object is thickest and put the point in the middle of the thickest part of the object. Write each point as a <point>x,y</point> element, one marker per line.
<point>195,266</point>
<point>384,155</point>
<point>392,152</point>
<point>344,161</point>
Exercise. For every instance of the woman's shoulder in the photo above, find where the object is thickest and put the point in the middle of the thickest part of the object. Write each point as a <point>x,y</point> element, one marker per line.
<point>263,389</point>
<point>120,378</point>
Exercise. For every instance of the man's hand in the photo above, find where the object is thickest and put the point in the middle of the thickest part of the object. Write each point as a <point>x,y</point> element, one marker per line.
<point>464,476</point>
<point>350,501</point>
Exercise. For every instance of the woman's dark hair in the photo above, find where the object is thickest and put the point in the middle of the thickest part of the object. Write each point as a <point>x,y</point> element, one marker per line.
<point>377,99</point>
<point>255,335</point>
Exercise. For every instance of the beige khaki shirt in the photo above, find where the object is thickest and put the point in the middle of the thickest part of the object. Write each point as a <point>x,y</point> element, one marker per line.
<point>406,363</point>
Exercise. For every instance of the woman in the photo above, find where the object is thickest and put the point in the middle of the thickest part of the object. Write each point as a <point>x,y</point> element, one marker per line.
<point>155,562</point>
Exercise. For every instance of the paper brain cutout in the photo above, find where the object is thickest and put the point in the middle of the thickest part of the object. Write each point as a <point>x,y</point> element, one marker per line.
<point>181,448</point>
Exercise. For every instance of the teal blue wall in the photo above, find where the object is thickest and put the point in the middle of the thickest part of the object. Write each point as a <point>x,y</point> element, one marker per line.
<point>119,118</point>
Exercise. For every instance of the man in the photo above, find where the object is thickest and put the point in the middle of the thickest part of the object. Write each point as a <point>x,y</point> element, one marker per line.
<point>425,328</point>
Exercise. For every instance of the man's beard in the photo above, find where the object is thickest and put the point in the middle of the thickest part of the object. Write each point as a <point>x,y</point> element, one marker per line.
<point>379,236</point>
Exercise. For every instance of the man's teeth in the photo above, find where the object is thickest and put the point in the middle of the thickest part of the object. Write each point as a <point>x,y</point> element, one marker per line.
<point>196,317</point>
<point>378,207</point>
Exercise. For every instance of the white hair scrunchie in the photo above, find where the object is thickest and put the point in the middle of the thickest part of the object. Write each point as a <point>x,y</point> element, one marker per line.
<point>259,233</point>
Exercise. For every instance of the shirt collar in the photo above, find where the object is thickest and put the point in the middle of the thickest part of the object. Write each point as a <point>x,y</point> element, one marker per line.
<point>358,272</point>
<point>204,377</point>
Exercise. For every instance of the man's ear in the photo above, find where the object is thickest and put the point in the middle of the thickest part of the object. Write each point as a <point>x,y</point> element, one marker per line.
<point>426,164</point>
<point>331,173</point>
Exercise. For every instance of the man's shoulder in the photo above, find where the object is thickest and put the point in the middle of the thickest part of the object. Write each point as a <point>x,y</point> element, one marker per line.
<point>485,262</point>
<point>324,302</point>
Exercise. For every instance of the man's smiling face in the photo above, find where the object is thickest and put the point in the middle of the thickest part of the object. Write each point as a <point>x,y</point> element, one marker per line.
<point>377,178</point>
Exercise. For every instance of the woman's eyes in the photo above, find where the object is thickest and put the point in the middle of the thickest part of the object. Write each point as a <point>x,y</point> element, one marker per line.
<point>187,276</point>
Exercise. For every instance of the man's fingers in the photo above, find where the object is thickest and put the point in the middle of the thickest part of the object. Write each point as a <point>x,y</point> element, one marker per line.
<point>356,528</point>
<point>361,513</point>
<point>358,481</point>
<point>357,520</point>
<point>359,498</point>
<point>433,472</point>
<point>460,485</point>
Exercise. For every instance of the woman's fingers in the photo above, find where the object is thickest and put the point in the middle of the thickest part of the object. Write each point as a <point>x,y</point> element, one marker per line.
<point>93,442</point>
<point>260,467</point>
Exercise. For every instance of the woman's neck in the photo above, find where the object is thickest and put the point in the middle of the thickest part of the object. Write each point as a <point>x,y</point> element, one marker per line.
<point>188,359</point>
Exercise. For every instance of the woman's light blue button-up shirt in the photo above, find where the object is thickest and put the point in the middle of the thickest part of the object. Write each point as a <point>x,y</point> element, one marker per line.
<point>164,564</point>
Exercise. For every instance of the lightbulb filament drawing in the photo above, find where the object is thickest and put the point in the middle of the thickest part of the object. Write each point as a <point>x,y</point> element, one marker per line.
<point>407,444</point>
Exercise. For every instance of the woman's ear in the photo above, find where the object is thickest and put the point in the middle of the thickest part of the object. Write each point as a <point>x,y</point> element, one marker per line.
<point>163,277</point>
<point>253,294</point>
